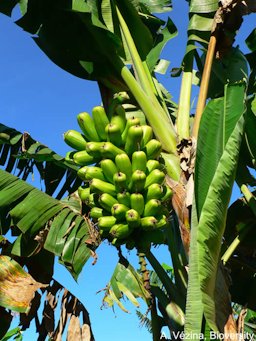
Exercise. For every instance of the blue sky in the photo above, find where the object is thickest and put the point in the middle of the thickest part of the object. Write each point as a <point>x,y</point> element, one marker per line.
<point>38,97</point>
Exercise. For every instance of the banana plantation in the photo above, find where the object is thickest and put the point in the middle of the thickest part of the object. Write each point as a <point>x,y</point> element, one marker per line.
<point>142,173</point>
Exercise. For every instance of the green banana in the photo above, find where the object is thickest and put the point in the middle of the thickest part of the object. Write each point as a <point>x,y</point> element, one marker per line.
<point>153,149</point>
<point>118,211</point>
<point>124,165</point>
<point>139,161</point>
<point>152,207</point>
<point>69,156</point>
<point>114,134</point>
<point>81,188</point>
<point>109,169</point>
<point>86,124</point>
<point>95,149</point>
<point>137,181</point>
<point>110,151</point>
<point>105,223</point>
<point>96,212</point>
<point>120,231</point>
<point>156,176</point>
<point>137,202</point>
<point>161,222</point>
<point>133,139</point>
<point>119,118</point>
<point>133,218</point>
<point>93,200</point>
<point>130,122</point>
<point>82,158</point>
<point>100,186</point>
<point>120,181</point>
<point>154,191</point>
<point>167,194</point>
<point>151,165</point>
<point>84,193</point>
<point>92,172</point>
<point>75,140</point>
<point>101,120</point>
<point>124,198</point>
<point>107,201</point>
<point>148,223</point>
<point>147,135</point>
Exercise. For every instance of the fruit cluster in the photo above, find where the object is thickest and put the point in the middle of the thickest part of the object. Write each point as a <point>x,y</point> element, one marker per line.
<point>124,180</point>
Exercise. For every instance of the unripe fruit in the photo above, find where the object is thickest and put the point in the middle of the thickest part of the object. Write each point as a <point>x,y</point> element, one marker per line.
<point>87,126</point>
<point>101,121</point>
<point>75,140</point>
<point>107,201</point>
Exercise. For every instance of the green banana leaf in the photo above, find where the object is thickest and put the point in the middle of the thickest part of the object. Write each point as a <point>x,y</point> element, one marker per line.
<point>218,122</point>
<point>40,220</point>
<point>223,127</point>
<point>21,154</point>
<point>203,6</point>
<point>125,282</point>
<point>194,305</point>
<point>153,6</point>
<point>80,24</point>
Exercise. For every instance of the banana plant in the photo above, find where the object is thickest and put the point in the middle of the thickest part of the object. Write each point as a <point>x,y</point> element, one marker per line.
<point>201,155</point>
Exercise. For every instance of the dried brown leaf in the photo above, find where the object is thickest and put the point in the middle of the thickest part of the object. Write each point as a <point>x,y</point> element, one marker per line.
<point>74,330</point>
<point>181,210</point>
<point>17,287</point>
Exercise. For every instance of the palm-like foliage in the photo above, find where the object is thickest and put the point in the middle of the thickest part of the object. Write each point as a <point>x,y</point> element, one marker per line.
<point>218,150</point>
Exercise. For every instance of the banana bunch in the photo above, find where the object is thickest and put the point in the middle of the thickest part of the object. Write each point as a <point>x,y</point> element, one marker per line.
<point>124,180</point>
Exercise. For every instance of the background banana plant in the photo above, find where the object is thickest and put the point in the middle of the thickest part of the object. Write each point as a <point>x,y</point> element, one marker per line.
<point>210,242</point>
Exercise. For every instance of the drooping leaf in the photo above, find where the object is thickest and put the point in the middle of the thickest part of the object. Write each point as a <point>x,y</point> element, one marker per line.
<point>17,287</point>
<point>125,282</point>
<point>45,222</point>
<point>164,35</point>
<point>22,155</point>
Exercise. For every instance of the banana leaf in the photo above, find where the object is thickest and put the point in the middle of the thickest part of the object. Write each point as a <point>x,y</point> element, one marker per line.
<point>17,287</point>
<point>60,311</point>
<point>153,6</point>
<point>22,155</point>
<point>205,6</point>
<point>194,305</point>
<point>222,126</point>
<point>125,282</point>
<point>42,221</point>
<point>79,24</point>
